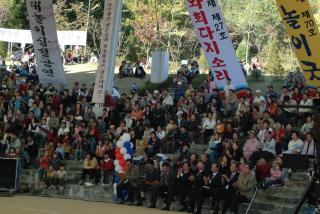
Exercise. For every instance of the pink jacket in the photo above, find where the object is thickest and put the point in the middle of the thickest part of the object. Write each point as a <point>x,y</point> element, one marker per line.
<point>250,147</point>
<point>275,174</point>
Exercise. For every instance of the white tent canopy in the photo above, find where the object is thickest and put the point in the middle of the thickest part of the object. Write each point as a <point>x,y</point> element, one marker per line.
<point>24,37</point>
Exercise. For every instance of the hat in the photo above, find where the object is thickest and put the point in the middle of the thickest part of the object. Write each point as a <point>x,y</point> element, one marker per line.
<point>179,113</point>
<point>251,132</point>
<point>156,91</point>
<point>112,126</point>
<point>258,91</point>
<point>79,118</point>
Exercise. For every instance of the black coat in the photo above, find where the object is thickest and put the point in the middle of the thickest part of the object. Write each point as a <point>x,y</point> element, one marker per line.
<point>228,186</point>
<point>199,181</point>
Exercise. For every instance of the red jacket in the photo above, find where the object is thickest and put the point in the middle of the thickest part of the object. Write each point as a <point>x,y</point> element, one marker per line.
<point>263,170</point>
<point>44,162</point>
<point>106,164</point>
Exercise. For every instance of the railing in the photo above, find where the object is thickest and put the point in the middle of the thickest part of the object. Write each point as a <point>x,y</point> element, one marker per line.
<point>252,199</point>
<point>305,194</point>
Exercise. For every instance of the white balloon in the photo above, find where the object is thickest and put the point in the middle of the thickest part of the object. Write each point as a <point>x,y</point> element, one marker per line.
<point>118,169</point>
<point>127,156</point>
<point>123,151</point>
<point>116,163</point>
<point>125,137</point>
<point>120,144</point>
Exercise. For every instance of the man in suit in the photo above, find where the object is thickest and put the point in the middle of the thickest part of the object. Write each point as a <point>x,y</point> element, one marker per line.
<point>229,182</point>
<point>198,180</point>
<point>212,188</point>
<point>132,184</point>
<point>166,187</point>
<point>152,181</point>
<point>184,184</point>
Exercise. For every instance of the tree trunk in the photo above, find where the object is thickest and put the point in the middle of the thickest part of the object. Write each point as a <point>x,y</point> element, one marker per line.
<point>248,44</point>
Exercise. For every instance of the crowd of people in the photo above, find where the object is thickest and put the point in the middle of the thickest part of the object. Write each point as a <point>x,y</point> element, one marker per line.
<point>246,137</point>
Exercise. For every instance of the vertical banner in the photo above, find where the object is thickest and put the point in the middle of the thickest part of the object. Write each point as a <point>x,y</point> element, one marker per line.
<point>213,35</point>
<point>304,36</point>
<point>105,49</point>
<point>45,41</point>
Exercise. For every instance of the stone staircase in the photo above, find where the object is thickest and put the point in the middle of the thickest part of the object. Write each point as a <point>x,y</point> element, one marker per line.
<point>271,201</point>
<point>281,200</point>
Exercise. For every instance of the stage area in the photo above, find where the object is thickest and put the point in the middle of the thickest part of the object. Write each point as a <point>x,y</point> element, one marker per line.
<point>40,205</point>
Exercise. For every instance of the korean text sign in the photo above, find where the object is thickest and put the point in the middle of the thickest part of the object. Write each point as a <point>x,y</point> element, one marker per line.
<point>213,35</point>
<point>45,41</point>
<point>106,45</point>
<point>304,36</point>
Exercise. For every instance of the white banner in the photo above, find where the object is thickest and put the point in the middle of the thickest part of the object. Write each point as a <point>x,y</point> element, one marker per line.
<point>24,37</point>
<point>106,48</point>
<point>213,34</point>
<point>45,41</point>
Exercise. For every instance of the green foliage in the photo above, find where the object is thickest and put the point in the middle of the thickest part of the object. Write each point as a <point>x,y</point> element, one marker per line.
<point>133,49</point>
<point>241,50</point>
<point>157,86</point>
<point>203,62</point>
<point>272,59</point>
<point>16,18</point>
<point>198,80</point>
<point>253,21</point>
<point>3,49</point>
<point>256,75</point>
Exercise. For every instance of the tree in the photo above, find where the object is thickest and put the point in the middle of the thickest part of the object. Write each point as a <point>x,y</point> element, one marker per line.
<point>4,12</point>
<point>271,59</point>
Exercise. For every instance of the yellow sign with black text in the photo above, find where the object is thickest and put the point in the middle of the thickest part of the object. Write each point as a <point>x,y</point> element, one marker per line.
<point>304,36</point>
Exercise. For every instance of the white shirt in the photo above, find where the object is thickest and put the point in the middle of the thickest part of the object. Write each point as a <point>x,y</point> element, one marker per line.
<point>63,131</point>
<point>207,124</point>
<point>227,88</point>
<point>168,100</point>
<point>308,102</point>
<point>257,100</point>
<point>261,134</point>
<point>161,134</point>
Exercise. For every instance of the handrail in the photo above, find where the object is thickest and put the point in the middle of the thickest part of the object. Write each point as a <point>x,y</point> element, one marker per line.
<point>252,199</point>
<point>305,194</point>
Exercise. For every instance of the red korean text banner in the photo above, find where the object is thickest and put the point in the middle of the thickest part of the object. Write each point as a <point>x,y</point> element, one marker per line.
<point>213,35</point>
<point>45,41</point>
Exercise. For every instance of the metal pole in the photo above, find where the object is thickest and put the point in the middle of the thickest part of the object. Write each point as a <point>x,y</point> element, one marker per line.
<point>87,26</point>
<point>8,52</point>
<point>158,27</point>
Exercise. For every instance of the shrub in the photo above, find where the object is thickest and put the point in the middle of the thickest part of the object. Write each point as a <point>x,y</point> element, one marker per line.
<point>198,80</point>
<point>156,86</point>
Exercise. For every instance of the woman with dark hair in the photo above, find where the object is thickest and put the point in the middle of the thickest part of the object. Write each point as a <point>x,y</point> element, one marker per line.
<point>272,107</point>
<point>153,146</point>
<point>296,95</point>
<point>228,131</point>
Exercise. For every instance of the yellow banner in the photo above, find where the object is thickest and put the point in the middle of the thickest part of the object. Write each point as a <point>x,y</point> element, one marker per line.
<point>304,36</point>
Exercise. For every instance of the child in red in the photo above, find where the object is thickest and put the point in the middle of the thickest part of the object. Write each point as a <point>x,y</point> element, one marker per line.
<point>106,168</point>
<point>263,170</point>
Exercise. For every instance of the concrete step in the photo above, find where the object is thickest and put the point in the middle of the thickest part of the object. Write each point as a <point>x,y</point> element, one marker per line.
<point>198,148</point>
<point>261,204</point>
<point>282,198</point>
